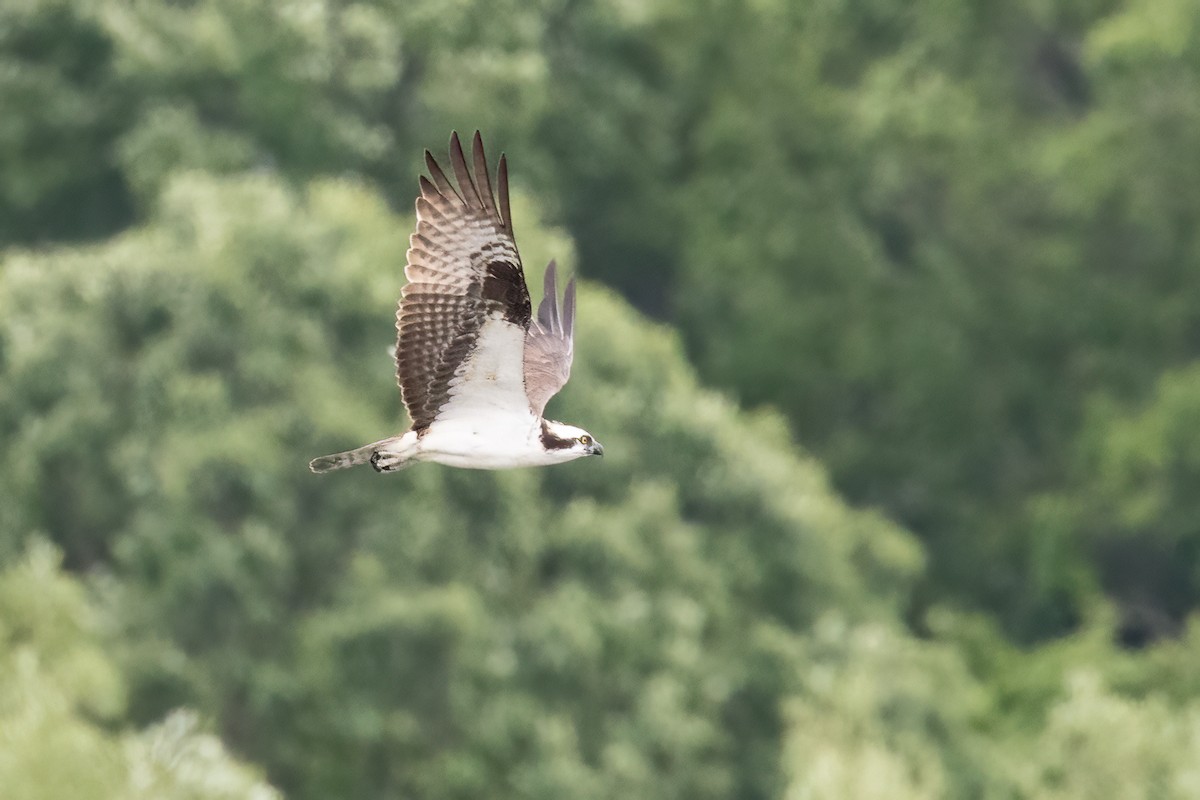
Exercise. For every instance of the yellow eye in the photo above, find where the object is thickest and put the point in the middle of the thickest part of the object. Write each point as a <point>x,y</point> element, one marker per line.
<point>585,440</point>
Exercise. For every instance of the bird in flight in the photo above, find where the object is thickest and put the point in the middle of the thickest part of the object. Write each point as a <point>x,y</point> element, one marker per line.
<point>475,367</point>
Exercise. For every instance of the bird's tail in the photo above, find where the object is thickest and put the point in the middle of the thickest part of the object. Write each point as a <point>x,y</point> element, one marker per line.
<point>393,453</point>
<point>350,458</point>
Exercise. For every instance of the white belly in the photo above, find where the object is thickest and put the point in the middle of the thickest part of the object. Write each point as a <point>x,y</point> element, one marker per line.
<point>486,422</point>
<point>486,442</point>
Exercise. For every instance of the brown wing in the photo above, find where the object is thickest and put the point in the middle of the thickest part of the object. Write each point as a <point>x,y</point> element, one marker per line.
<point>549,344</point>
<point>463,271</point>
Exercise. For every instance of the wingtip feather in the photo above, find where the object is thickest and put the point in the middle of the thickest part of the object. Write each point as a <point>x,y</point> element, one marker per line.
<point>466,183</point>
<point>548,309</point>
<point>569,308</point>
<point>502,188</point>
<point>483,178</point>
<point>443,184</point>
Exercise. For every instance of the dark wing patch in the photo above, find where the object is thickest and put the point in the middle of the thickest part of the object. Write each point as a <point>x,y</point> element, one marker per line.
<point>504,283</point>
<point>463,267</point>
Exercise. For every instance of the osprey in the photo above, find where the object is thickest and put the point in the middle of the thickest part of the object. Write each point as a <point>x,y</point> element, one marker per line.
<point>475,368</point>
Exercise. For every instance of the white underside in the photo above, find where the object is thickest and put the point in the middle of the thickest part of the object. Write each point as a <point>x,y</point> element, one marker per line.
<point>487,443</point>
<point>487,423</point>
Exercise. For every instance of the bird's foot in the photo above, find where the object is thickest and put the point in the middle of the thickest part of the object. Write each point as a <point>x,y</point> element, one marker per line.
<point>384,461</point>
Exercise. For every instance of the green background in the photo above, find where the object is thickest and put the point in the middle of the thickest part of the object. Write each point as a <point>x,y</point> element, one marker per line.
<point>889,325</point>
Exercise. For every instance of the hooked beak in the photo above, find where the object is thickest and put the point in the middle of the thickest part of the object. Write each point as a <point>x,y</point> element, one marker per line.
<point>595,449</point>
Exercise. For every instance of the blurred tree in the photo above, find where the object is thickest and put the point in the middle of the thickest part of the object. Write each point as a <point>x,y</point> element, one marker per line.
<point>60,694</point>
<point>439,635</point>
<point>853,735</point>
<point>927,235</point>
<point>226,85</point>
<point>1099,744</point>
<point>1131,521</point>
<point>955,246</point>
<point>107,98</point>
<point>957,258</point>
<point>64,108</point>
<point>862,215</point>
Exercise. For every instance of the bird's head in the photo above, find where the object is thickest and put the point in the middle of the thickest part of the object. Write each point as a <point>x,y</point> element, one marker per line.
<point>568,441</point>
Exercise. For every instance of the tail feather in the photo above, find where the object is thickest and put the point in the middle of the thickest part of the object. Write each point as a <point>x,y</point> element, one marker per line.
<point>395,453</point>
<point>350,458</point>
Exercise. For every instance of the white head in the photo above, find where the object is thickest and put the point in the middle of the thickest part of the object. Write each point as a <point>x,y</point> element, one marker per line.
<point>567,443</point>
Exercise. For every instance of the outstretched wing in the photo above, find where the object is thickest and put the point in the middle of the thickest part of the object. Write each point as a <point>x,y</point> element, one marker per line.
<point>549,345</point>
<point>465,310</point>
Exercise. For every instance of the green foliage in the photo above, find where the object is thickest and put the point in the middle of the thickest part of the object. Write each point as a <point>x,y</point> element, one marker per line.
<point>1129,524</point>
<point>106,98</point>
<point>60,691</point>
<point>54,675</point>
<point>1098,744</point>
<point>930,238</point>
<point>64,108</point>
<point>852,734</point>
<point>695,617</point>
<point>950,249</point>
<point>928,235</point>
<point>438,634</point>
<point>227,84</point>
